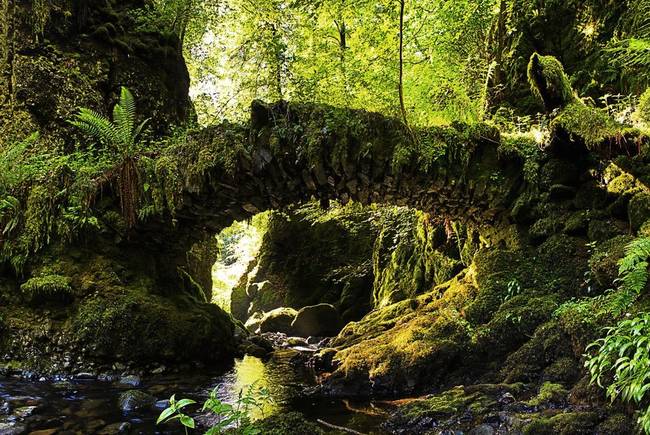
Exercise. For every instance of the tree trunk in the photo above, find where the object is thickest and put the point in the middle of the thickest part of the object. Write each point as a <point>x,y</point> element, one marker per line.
<point>402,6</point>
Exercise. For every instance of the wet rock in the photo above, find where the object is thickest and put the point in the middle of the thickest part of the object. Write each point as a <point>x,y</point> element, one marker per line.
<point>256,345</point>
<point>159,370</point>
<point>162,404</point>
<point>133,400</point>
<point>296,341</point>
<point>94,425</point>
<point>12,429</point>
<point>44,432</point>
<point>115,428</point>
<point>24,411</point>
<point>484,429</point>
<point>317,320</point>
<point>278,320</point>
<point>131,380</point>
<point>253,323</point>
<point>85,376</point>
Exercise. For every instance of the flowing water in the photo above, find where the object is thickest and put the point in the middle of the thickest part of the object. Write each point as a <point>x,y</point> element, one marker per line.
<point>91,407</point>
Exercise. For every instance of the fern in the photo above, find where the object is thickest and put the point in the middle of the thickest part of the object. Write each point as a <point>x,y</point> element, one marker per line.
<point>633,272</point>
<point>121,135</point>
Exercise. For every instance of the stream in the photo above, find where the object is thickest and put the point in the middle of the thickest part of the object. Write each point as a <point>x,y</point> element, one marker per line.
<point>78,406</point>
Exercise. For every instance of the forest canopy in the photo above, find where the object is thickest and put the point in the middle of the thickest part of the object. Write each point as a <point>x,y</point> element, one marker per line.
<point>461,59</point>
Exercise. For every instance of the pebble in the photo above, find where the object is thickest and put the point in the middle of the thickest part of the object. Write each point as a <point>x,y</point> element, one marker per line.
<point>85,376</point>
<point>24,411</point>
<point>131,380</point>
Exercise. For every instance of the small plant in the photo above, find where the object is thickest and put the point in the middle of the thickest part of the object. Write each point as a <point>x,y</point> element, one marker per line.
<point>622,358</point>
<point>121,136</point>
<point>513,289</point>
<point>175,412</point>
<point>235,415</point>
<point>643,109</point>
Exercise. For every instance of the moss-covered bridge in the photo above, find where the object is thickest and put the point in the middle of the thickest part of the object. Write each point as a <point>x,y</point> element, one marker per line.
<point>293,153</point>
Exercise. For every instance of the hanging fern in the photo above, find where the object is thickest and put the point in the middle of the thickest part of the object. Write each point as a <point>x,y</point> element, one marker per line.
<point>121,135</point>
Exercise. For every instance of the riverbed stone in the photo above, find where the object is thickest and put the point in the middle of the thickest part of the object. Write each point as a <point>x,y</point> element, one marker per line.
<point>278,320</point>
<point>133,400</point>
<point>253,323</point>
<point>131,380</point>
<point>317,320</point>
<point>115,428</point>
<point>11,429</point>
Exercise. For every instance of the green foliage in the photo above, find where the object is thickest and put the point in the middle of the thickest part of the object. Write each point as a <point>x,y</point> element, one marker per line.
<point>344,54</point>
<point>175,412</point>
<point>633,268</point>
<point>121,137</point>
<point>631,52</point>
<point>235,415</point>
<point>643,109</point>
<point>622,359</point>
<point>120,134</point>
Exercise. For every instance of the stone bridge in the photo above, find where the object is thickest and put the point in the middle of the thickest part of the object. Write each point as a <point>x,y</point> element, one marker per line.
<point>294,153</point>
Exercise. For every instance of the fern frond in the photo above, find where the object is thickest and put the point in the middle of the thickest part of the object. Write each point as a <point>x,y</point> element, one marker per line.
<point>124,128</point>
<point>633,268</point>
<point>128,114</point>
<point>96,125</point>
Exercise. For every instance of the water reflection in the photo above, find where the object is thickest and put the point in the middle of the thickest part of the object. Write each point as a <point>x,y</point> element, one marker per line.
<point>83,407</point>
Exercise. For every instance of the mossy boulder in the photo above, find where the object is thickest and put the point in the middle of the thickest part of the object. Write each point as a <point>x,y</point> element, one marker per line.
<point>278,320</point>
<point>320,320</point>
<point>286,423</point>
<point>253,323</point>
<point>603,263</point>
<point>135,400</point>
<point>549,82</point>
<point>48,288</point>
<point>570,423</point>
<point>550,394</point>
<point>639,210</point>
<point>134,326</point>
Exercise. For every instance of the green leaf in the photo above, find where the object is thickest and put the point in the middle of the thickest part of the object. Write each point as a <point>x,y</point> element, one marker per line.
<point>187,421</point>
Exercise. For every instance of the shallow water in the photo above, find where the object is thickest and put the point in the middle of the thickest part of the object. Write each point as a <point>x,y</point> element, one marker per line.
<point>87,407</point>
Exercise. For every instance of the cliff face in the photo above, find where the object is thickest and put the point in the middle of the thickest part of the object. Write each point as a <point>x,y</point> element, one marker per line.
<point>103,297</point>
<point>59,55</point>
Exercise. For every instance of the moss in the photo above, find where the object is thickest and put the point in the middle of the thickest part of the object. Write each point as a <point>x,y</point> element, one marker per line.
<point>48,288</point>
<point>639,210</point>
<point>416,352</point>
<point>597,130</point>
<point>565,370</point>
<point>155,329</point>
<point>617,424</point>
<point>549,82</point>
<point>455,401</point>
<point>569,423</point>
<point>549,394</point>
<point>292,422</point>
<point>410,256</point>
<point>525,148</point>
<point>642,112</point>
<point>603,263</point>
